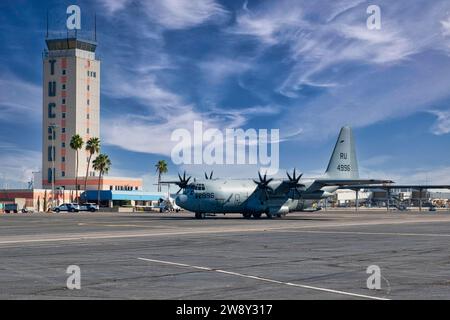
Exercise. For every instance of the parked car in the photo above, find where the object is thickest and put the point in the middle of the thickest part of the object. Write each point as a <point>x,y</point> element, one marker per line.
<point>69,207</point>
<point>92,207</point>
<point>11,207</point>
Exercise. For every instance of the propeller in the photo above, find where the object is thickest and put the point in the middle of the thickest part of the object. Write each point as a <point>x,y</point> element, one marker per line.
<point>183,182</point>
<point>210,176</point>
<point>263,185</point>
<point>294,182</point>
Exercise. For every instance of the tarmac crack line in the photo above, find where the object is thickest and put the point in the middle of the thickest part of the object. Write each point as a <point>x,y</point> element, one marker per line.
<point>264,279</point>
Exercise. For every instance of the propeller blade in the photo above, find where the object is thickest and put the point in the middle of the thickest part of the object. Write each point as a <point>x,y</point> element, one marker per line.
<point>289,177</point>
<point>211,175</point>
<point>206,176</point>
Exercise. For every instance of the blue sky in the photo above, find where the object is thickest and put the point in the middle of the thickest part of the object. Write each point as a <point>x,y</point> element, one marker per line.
<point>305,67</point>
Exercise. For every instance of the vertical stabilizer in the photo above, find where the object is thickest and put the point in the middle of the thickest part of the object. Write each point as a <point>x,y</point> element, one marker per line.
<point>343,163</point>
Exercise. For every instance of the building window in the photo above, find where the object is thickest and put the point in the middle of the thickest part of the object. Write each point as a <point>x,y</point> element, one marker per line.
<point>63,144</point>
<point>52,89</point>
<point>88,73</point>
<point>51,114</point>
<point>49,175</point>
<point>63,159</point>
<point>64,71</point>
<point>87,130</point>
<point>52,66</point>
<point>87,116</point>
<point>88,102</point>
<point>88,87</point>
<point>63,101</point>
<point>50,157</point>
<point>51,134</point>
<point>64,87</point>
<point>63,173</point>
<point>63,115</point>
<point>63,130</point>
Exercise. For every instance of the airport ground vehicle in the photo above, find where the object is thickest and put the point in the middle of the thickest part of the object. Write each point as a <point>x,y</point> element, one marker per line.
<point>11,207</point>
<point>69,207</point>
<point>88,207</point>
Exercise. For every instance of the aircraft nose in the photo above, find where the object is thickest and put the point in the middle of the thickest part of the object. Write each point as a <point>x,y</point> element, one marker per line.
<point>181,199</point>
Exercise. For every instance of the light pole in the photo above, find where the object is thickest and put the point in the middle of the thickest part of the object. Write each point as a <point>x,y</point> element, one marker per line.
<point>53,154</point>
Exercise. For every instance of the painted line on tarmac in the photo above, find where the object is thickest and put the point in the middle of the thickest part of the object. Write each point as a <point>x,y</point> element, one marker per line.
<point>264,279</point>
<point>215,230</point>
<point>371,233</point>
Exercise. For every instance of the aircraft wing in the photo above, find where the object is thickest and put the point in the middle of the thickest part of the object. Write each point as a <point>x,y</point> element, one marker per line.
<point>345,183</point>
<point>170,182</point>
<point>284,187</point>
<point>397,186</point>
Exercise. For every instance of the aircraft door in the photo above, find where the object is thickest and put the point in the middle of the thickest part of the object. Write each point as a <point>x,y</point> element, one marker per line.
<point>237,199</point>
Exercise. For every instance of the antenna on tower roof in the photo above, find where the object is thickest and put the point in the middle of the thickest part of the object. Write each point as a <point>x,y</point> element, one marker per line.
<point>95,27</point>
<point>47,24</point>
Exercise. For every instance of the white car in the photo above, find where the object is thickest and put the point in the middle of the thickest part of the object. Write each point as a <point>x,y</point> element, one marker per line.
<point>69,207</point>
<point>92,207</point>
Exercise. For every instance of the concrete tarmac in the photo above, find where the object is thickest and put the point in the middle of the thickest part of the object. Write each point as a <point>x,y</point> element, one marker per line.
<point>322,255</point>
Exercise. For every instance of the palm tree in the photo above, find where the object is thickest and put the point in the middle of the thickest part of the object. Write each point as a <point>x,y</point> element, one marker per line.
<point>161,168</point>
<point>76,143</point>
<point>45,201</point>
<point>102,164</point>
<point>92,147</point>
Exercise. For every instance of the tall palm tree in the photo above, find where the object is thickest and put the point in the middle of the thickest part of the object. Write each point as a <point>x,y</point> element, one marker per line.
<point>92,147</point>
<point>102,164</point>
<point>161,168</point>
<point>76,143</point>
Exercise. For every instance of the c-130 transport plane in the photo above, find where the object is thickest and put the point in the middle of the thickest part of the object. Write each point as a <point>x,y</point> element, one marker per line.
<point>272,197</point>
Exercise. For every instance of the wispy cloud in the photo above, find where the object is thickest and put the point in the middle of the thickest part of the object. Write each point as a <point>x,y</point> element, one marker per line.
<point>442,124</point>
<point>19,99</point>
<point>174,14</point>
<point>218,69</point>
<point>17,165</point>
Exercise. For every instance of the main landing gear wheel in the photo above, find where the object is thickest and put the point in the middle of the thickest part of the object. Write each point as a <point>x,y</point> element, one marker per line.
<point>247,215</point>
<point>269,215</point>
<point>200,215</point>
<point>257,215</point>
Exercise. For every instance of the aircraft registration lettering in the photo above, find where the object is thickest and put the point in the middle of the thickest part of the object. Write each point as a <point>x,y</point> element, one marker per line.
<point>205,195</point>
<point>344,167</point>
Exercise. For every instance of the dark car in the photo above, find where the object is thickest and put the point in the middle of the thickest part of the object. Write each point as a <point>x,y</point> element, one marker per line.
<point>11,207</point>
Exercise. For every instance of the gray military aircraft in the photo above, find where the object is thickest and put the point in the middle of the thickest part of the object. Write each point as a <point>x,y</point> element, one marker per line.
<point>269,196</point>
